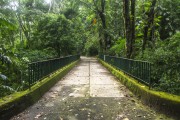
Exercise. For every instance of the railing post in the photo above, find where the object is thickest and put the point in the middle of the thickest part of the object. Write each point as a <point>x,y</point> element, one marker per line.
<point>29,76</point>
<point>150,82</point>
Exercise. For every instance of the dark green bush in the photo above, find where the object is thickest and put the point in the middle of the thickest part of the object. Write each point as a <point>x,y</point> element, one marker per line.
<point>91,47</point>
<point>118,49</point>
<point>166,64</point>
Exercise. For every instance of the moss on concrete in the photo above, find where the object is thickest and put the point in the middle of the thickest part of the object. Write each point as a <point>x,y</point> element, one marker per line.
<point>17,102</point>
<point>163,102</point>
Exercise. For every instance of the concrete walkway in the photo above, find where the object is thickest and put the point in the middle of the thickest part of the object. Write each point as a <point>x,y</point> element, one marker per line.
<point>89,92</point>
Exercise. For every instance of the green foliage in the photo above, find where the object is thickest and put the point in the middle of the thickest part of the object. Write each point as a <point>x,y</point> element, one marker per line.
<point>39,36</point>
<point>118,49</point>
<point>170,21</point>
<point>165,59</point>
<point>70,13</point>
<point>55,32</point>
<point>91,47</point>
<point>37,55</point>
<point>5,24</point>
<point>5,90</point>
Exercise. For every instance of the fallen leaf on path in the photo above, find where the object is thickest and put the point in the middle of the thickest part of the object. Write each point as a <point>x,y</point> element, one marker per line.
<point>60,118</point>
<point>38,115</point>
<point>121,117</point>
<point>53,96</point>
<point>125,119</point>
<point>105,105</point>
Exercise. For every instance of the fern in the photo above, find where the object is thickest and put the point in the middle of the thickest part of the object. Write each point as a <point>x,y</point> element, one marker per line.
<point>5,59</point>
<point>7,88</point>
<point>3,77</point>
<point>6,23</point>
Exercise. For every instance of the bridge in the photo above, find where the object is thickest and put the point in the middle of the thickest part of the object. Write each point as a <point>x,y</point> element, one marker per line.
<point>88,92</point>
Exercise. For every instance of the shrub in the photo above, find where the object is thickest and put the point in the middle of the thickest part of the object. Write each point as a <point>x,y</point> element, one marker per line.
<point>166,63</point>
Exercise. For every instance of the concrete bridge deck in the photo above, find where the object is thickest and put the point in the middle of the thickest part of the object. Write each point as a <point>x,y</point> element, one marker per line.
<point>89,92</point>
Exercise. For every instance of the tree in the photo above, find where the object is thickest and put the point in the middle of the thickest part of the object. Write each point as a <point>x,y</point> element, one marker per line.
<point>149,25</point>
<point>105,43</point>
<point>129,21</point>
<point>169,22</point>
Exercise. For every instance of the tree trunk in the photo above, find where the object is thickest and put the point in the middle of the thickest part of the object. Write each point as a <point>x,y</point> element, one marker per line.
<point>129,21</point>
<point>133,2</point>
<point>20,34</point>
<point>22,26</point>
<point>101,44</point>
<point>25,31</point>
<point>58,49</point>
<point>150,21</point>
<point>101,13</point>
<point>127,28</point>
<point>103,20</point>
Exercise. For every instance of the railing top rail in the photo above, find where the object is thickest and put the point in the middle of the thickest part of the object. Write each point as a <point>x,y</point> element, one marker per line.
<point>129,59</point>
<point>50,59</point>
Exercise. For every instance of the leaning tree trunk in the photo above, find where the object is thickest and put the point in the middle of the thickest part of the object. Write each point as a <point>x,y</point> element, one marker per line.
<point>103,20</point>
<point>101,14</point>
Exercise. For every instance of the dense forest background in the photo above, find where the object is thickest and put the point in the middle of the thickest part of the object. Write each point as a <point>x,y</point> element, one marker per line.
<point>34,30</point>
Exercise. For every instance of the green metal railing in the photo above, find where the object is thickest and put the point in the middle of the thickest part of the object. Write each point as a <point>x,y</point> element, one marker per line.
<point>41,69</point>
<point>139,70</point>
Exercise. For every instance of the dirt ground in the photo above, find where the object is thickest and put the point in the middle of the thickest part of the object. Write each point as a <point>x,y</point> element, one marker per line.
<point>89,92</point>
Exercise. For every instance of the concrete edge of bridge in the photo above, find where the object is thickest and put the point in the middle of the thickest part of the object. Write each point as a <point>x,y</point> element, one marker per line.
<point>162,102</point>
<point>17,102</point>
